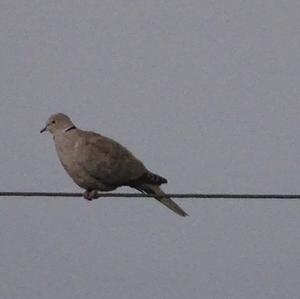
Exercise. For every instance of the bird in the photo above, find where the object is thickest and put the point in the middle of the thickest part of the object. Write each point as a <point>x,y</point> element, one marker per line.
<point>99,163</point>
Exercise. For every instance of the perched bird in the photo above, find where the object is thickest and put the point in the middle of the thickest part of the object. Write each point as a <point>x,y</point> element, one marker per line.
<point>98,163</point>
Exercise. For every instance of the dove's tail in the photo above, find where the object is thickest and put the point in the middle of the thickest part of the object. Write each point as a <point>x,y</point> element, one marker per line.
<point>162,198</point>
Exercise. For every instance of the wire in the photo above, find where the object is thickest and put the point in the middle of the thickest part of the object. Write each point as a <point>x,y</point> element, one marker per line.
<point>173,195</point>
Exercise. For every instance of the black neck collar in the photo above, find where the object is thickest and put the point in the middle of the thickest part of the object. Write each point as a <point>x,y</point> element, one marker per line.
<point>70,128</point>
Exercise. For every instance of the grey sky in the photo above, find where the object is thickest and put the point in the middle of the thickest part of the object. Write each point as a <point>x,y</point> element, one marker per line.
<point>206,93</point>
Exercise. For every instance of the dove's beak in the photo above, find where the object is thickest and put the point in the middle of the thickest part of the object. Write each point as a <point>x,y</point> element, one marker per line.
<point>43,130</point>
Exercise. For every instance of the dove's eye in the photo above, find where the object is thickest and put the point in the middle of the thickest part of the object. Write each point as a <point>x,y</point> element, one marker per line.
<point>53,121</point>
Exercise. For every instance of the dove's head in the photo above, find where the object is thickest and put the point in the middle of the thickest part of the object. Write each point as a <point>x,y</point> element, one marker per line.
<point>58,122</point>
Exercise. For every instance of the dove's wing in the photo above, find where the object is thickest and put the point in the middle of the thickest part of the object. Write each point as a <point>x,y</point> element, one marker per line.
<point>108,161</point>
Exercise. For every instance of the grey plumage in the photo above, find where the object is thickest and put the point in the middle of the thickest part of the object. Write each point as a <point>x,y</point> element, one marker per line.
<point>96,162</point>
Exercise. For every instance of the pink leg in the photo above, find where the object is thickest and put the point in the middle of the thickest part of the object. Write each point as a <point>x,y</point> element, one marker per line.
<point>90,195</point>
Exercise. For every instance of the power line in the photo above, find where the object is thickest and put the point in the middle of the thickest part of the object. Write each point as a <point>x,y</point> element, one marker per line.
<point>173,195</point>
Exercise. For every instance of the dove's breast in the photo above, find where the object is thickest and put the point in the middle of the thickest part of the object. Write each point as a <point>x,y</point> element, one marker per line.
<point>68,152</point>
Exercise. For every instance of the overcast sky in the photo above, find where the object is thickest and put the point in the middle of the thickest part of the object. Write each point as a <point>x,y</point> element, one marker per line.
<point>206,93</point>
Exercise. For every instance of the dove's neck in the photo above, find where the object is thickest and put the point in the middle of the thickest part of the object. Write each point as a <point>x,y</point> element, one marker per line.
<point>66,135</point>
<point>70,128</point>
<point>65,143</point>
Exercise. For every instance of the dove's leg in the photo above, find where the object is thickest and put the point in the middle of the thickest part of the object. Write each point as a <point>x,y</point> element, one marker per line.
<point>90,194</point>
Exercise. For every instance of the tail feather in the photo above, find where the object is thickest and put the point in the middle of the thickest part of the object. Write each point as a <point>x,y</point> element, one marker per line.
<point>159,195</point>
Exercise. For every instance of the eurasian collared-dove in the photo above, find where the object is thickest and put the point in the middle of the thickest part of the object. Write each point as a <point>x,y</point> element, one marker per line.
<point>96,162</point>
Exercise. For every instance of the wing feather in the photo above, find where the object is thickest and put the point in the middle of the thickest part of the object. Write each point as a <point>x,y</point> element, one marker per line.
<point>108,161</point>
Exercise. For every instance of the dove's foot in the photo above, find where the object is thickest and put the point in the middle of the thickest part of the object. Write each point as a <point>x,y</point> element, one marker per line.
<point>90,194</point>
